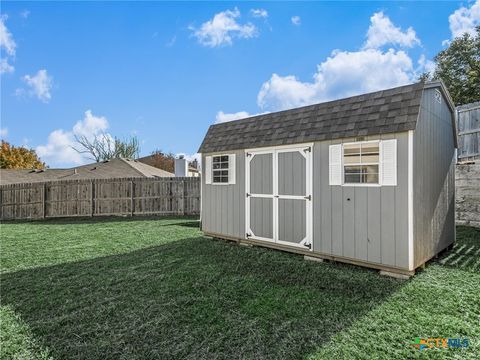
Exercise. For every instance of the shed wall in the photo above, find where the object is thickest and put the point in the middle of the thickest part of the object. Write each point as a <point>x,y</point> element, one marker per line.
<point>372,226</point>
<point>223,206</point>
<point>433,178</point>
<point>358,222</point>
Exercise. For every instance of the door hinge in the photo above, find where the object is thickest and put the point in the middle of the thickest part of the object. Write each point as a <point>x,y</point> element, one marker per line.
<point>308,149</point>
<point>309,197</point>
<point>248,235</point>
<point>248,194</point>
<point>248,154</point>
<point>309,246</point>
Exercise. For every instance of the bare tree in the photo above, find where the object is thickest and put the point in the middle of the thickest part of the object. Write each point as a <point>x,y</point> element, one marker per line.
<point>103,147</point>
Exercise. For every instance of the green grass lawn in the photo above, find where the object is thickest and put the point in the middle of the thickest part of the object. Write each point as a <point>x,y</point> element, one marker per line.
<point>156,288</point>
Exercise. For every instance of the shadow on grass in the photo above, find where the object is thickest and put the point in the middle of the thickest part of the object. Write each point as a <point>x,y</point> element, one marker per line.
<point>97,219</point>
<point>192,224</point>
<point>465,254</point>
<point>195,298</point>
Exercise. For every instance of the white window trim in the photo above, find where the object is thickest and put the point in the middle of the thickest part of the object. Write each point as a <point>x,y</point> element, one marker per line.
<point>379,164</point>
<point>228,169</point>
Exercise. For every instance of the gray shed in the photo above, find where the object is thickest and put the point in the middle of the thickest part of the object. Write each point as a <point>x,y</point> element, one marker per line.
<point>367,180</point>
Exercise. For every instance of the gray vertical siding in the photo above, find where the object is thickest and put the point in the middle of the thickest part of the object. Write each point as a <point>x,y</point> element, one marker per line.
<point>291,171</point>
<point>261,171</point>
<point>433,179</point>
<point>223,206</point>
<point>291,220</point>
<point>261,217</point>
<point>364,223</point>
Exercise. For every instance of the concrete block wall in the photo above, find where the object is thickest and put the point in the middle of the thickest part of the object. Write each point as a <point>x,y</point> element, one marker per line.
<point>467,194</point>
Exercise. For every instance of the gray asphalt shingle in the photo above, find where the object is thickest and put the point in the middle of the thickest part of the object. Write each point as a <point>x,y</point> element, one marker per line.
<point>380,112</point>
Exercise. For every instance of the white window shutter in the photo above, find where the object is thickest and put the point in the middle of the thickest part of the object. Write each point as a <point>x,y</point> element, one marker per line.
<point>208,170</point>
<point>388,162</point>
<point>231,169</point>
<point>335,164</point>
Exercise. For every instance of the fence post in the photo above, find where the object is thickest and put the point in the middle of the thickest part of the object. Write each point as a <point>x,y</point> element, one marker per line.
<point>132,197</point>
<point>92,200</point>
<point>44,198</point>
<point>184,197</point>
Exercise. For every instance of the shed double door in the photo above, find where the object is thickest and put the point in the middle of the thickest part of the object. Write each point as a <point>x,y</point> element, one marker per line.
<point>279,195</point>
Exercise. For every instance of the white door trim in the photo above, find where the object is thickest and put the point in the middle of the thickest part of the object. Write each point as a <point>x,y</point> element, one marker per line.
<point>302,149</point>
<point>248,231</point>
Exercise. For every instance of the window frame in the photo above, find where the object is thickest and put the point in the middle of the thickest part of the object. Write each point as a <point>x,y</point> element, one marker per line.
<point>227,169</point>
<point>379,174</point>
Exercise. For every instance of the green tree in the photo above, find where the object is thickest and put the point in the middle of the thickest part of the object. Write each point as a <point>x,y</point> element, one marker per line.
<point>459,68</point>
<point>104,147</point>
<point>19,157</point>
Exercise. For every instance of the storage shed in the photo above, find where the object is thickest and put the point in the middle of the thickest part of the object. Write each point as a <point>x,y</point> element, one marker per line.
<point>367,180</point>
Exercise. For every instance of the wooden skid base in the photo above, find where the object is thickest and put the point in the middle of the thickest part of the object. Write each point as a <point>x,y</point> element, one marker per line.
<point>314,255</point>
<point>244,244</point>
<point>311,258</point>
<point>395,275</point>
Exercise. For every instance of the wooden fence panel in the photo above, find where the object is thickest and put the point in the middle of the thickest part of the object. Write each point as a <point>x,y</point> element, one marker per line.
<point>23,202</point>
<point>67,199</point>
<point>468,127</point>
<point>100,197</point>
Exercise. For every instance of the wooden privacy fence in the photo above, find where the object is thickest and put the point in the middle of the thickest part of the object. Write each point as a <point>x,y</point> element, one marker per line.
<point>468,125</point>
<point>101,197</point>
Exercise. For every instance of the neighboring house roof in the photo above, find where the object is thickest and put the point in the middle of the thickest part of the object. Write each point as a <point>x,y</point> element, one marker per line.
<point>381,112</point>
<point>114,168</point>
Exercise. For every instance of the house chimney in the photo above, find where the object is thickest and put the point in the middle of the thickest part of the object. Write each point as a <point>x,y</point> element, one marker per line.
<point>181,167</point>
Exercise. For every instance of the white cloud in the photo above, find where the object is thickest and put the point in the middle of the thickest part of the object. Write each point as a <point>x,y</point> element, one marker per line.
<point>222,29</point>
<point>382,32</point>
<point>296,20</point>
<point>342,74</point>
<point>348,73</point>
<point>223,117</point>
<point>285,92</point>
<point>3,132</point>
<point>5,67</point>
<point>259,13</point>
<point>8,45</point>
<point>91,125</point>
<point>59,150</point>
<point>425,65</point>
<point>40,85</point>
<point>6,39</point>
<point>464,20</point>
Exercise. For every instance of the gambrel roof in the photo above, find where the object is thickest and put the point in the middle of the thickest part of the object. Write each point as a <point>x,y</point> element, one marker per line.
<point>380,112</point>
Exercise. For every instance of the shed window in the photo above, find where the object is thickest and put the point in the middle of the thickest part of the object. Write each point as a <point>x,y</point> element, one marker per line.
<point>220,166</point>
<point>361,163</point>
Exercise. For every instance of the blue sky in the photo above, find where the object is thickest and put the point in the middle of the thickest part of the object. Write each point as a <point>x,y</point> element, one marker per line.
<point>166,71</point>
